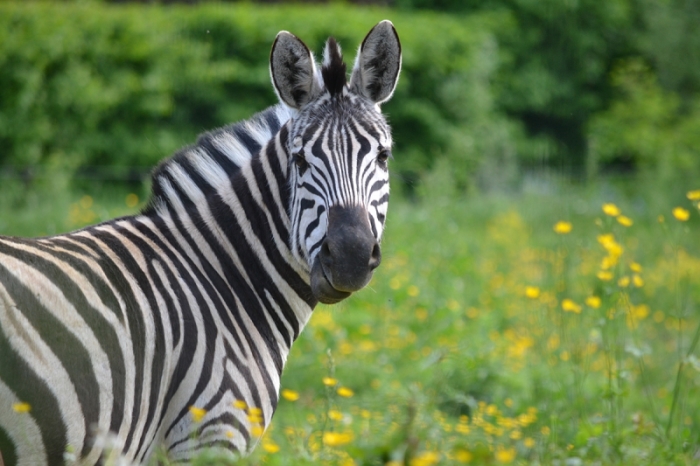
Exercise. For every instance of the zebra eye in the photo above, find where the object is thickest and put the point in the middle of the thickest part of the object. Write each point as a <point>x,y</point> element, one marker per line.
<point>300,161</point>
<point>383,156</point>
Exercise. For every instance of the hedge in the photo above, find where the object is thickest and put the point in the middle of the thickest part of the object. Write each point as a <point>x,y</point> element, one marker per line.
<point>86,85</point>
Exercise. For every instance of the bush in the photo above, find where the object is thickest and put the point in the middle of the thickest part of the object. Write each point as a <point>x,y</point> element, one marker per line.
<point>644,128</point>
<point>89,85</point>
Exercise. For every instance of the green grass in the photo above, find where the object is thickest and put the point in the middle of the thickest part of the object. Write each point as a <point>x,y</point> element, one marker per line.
<point>488,338</point>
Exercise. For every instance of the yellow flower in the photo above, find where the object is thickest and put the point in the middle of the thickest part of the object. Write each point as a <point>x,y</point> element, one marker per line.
<point>335,415</point>
<point>270,446</point>
<point>545,430</point>
<point>345,392</point>
<point>569,306</point>
<point>562,228</point>
<point>593,301</point>
<point>605,275</point>
<point>426,458</point>
<point>529,442</point>
<point>21,407</point>
<point>197,413</point>
<point>681,214</point>
<point>634,267</point>
<point>505,455</point>
<point>413,291</point>
<point>463,456</point>
<point>337,439</point>
<point>624,282</point>
<point>330,382</point>
<point>637,281</point>
<point>257,430</point>
<point>624,221</point>
<point>694,195</point>
<point>290,395</point>
<point>131,200</point>
<point>611,210</point>
<point>532,292</point>
<point>239,404</point>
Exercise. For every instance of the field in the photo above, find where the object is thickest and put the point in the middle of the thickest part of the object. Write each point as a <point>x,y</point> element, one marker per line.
<point>557,325</point>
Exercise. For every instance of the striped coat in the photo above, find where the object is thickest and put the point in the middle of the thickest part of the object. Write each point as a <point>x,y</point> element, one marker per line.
<point>113,336</point>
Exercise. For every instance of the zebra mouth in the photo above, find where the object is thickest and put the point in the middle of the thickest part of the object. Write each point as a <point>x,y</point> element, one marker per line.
<point>322,288</point>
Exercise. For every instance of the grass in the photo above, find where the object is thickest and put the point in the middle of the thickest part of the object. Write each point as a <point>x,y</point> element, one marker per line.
<point>487,337</point>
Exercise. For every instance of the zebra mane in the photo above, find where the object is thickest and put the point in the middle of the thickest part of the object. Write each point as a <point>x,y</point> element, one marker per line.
<point>224,150</point>
<point>333,70</point>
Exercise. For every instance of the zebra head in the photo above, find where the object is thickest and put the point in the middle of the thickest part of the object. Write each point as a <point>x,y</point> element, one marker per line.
<point>338,148</point>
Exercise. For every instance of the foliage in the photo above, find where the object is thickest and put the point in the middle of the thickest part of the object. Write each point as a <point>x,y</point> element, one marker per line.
<point>645,127</point>
<point>88,85</point>
<point>533,329</point>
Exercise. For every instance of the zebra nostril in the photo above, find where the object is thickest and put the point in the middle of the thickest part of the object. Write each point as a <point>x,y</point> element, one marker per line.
<point>326,249</point>
<point>376,258</point>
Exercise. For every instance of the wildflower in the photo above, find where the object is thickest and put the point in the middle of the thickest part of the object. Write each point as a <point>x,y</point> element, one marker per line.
<point>624,282</point>
<point>255,411</point>
<point>270,446</point>
<point>624,221</point>
<point>634,267</point>
<point>426,458</point>
<point>532,292</point>
<point>239,404</point>
<point>505,455</point>
<point>563,228</point>
<point>337,439</point>
<point>452,305</point>
<point>637,281</point>
<point>529,442</point>
<point>694,195</point>
<point>611,210</point>
<point>681,214</point>
<point>197,413</point>
<point>463,456</point>
<point>330,382</point>
<point>569,306</point>
<point>413,291</point>
<point>335,415</point>
<point>21,407</point>
<point>635,314</point>
<point>345,392</point>
<point>257,430</point>
<point>545,430</point>
<point>290,395</point>
<point>593,301</point>
<point>611,246</point>
<point>605,275</point>
<point>131,200</point>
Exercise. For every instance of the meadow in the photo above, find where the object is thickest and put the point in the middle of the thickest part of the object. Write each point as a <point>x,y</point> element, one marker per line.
<point>555,325</point>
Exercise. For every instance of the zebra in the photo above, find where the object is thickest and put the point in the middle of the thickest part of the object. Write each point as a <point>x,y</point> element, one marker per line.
<point>167,331</point>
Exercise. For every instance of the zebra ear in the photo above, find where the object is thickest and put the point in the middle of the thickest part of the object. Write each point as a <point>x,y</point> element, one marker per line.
<point>378,62</point>
<point>293,70</point>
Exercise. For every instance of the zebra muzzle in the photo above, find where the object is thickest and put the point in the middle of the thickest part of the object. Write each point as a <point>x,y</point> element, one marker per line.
<point>348,255</point>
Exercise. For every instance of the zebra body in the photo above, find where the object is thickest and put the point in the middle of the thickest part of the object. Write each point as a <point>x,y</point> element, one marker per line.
<point>111,334</point>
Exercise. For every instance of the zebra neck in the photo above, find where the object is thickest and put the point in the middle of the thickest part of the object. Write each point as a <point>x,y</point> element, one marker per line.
<point>237,225</point>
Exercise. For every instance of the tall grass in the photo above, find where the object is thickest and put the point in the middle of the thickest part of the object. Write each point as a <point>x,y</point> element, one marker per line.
<point>555,326</point>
